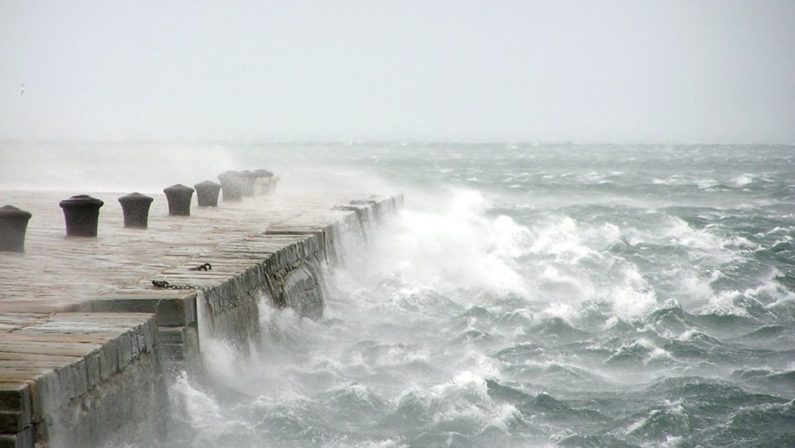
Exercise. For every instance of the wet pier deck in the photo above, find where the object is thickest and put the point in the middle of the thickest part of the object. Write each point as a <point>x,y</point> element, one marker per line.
<point>57,273</point>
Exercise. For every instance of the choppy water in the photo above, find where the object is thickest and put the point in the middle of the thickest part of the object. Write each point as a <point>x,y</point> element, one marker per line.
<point>532,296</point>
<point>538,296</point>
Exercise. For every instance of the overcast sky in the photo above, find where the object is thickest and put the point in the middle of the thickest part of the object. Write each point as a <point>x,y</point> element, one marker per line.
<point>432,70</point>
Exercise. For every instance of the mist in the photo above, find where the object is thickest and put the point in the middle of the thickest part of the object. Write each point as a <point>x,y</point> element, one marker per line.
<point>245,71</point>
<point>592,246</point>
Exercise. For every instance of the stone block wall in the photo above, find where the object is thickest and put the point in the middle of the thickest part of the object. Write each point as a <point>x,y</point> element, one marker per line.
<point>74,379</point>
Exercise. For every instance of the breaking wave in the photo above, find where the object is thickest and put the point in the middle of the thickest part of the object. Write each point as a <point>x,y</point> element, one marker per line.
<point>624,302</point>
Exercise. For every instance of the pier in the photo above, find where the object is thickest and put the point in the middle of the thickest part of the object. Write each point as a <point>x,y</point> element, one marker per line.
<point>92,328</point>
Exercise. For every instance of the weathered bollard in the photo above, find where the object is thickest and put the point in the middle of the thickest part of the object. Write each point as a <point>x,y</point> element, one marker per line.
<point>13,224</point>
<point>264,178</point>
<point>81,213</point>
<point>247,179</point>
<point>263,173</point>
<point>207,193</point>
<point>135,207</point>
<point>178,197</point>
<point>231,187</point>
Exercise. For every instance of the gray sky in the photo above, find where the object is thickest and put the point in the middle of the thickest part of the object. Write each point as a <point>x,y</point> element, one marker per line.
<point>459,70</point>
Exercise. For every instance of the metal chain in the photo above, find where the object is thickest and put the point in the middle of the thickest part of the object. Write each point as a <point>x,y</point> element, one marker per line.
<point>202,267</point>
<point>166,285</point>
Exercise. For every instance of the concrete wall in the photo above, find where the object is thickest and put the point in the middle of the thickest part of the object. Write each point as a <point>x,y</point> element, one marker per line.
<point>283,264</point>
<point>72,379</point>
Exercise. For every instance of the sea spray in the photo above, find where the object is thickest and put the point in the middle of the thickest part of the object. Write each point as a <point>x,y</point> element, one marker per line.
<point>605,301</point>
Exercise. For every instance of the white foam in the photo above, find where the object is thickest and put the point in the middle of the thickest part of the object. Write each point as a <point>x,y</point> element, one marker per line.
<point>674,408</point>
<point>743,179</point>
<point>564,311</point>
<point>724,304</point>
<point>689,334</point>
<point>504,417</point>
<point>767,294</point>
<point>631,295</point>
<point>199,407</point>
<point>657,354</point>
<point>692,287</point>
<point>568,242</point>
<point>706,184</point>
<point>457,246</point>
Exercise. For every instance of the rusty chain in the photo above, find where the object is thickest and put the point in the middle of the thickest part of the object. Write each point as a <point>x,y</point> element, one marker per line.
<point>166,285</point>
<point>202,267</point>
<point>163,284</point>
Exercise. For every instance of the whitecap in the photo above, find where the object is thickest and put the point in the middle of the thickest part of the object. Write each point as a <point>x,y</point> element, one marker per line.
<point>743,180</point>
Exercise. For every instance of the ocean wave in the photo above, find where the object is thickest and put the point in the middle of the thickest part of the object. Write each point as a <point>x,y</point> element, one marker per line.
<point>779,381</point>
<point>554,330</point>
<point>355,404</point>
<point>672,418</point>
<point>642,352</point>
<point>542,406</point>
<point>594,441</point>
<point>555,374</point>
<point>772,422</point>
<point>769,336</point>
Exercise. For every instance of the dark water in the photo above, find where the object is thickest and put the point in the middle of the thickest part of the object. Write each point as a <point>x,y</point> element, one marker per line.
<point>531,295</point>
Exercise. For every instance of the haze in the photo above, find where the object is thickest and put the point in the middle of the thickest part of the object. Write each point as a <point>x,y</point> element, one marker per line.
<point>634,71</point>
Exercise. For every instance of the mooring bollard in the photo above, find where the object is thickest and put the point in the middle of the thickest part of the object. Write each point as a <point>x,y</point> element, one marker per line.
<point>207,193</point>
<point>178,197</point>
<point>263,173</point>
<point>81,213</point>
<point>135,207</point>
<point>13,224</point>
<point>263,179</point>
<point>247,179</point>
<point>231,187</point>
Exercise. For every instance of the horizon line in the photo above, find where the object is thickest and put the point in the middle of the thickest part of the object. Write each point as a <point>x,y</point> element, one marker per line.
<point>391,142</point>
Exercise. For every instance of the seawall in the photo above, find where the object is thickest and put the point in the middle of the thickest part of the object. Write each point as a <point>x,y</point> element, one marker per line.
<point>92,329</point>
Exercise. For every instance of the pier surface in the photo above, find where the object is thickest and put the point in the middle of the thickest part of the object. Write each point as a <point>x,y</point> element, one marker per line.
<point>82,327</point>
<point>57,273</point>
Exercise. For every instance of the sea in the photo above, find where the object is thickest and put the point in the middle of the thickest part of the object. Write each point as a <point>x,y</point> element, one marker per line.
<point>527,295</point>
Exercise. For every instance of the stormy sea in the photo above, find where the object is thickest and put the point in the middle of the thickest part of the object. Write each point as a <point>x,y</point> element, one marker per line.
<point>528,295</point>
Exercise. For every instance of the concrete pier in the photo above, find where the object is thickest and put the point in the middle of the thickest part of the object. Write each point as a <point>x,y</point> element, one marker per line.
<point>89,373</point>
<point>89,328</point>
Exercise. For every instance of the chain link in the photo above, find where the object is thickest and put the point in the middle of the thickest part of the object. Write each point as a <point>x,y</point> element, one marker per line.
<point>162,284</point>
<point>166,285</point>
<point>202,267</point>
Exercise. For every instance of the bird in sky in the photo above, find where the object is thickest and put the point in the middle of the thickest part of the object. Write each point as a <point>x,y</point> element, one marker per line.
<point>22,91</point>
